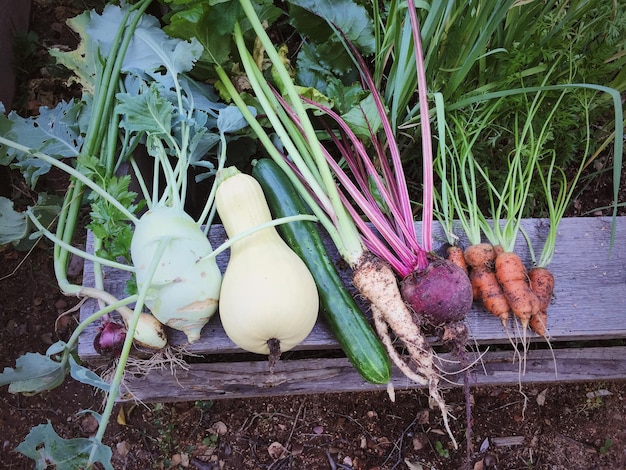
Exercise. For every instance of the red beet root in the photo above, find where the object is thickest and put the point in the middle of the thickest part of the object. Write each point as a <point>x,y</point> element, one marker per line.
<point>442,292</point>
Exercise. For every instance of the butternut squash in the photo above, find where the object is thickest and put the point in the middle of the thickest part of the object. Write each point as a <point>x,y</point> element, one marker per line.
<point>268,300</point>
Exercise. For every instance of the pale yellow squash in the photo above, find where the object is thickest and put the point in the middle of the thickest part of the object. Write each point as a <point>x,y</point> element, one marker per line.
<point>268,300</point>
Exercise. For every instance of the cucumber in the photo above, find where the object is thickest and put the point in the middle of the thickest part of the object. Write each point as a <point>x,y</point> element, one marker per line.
<point>337,306</point>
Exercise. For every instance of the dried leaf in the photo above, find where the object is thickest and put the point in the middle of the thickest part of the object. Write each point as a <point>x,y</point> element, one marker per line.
<point>599,393</point>
<point>123,448</point>
<point>219,428</point>
<point>121,417</point>
<point>413,465</point>
<point>391,392</point>
<point>485,445</point>
<point>541,398</point>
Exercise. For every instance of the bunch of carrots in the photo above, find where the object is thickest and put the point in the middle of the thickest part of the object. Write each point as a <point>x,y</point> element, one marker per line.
<point>503,284</point>
<point>500,279</point>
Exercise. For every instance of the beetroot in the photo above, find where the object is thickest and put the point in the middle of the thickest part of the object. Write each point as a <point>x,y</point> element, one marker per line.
<point>441,293</point>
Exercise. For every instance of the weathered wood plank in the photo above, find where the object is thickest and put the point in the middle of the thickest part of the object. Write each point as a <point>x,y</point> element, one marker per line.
<point>590,283</point>
<point>211,381</point>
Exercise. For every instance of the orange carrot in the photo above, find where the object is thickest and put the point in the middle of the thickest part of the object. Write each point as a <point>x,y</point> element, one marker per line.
<point>538,323</point>
<point>455,254</point>
<point>542,284</point>
<point>480,258</point>
<point>513,278</point>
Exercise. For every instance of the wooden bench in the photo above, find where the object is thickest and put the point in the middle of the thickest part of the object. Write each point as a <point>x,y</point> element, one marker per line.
<point>587,328</point>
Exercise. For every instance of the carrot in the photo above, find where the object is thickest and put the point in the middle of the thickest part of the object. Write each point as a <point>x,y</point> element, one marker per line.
<point>455,254</point>
<point>513,277</point>
<point>542,284</point>
<point>480,258</point>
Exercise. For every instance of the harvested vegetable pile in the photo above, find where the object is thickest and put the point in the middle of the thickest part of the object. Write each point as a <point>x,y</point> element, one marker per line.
<point>167,90</point>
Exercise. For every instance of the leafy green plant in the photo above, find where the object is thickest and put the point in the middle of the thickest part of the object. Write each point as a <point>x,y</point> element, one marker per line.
<point>606,446</point>
<point>441,450</point>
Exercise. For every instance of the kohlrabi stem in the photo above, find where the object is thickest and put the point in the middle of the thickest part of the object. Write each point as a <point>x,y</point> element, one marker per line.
<point>128,343</point>
<point>272,223</point>
<point>106,86</point>
<point>74,250</point>
<point>209,210</point>
<point>72,172</point>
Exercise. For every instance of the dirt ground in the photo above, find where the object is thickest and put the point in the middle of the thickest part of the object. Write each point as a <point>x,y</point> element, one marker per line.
<point>564,426</point>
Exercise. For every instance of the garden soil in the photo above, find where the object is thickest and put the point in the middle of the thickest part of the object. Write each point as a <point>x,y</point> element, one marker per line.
<point>579,426</point>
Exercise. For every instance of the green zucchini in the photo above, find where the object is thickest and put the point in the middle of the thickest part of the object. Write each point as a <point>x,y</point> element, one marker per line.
<point>337,306</point>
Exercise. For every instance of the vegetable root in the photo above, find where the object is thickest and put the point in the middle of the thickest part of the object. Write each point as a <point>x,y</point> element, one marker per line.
<point>455,255</point>
<point>512,275</point>
<point>441,293</point>
<point>486,288</point>
<point>376,281</point>
<point>542,284</point>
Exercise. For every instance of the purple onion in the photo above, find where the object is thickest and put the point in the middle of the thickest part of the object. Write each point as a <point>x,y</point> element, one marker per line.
<point>110,339</point>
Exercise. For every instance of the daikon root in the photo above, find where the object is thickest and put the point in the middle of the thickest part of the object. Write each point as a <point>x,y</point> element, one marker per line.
<point>376,281</point>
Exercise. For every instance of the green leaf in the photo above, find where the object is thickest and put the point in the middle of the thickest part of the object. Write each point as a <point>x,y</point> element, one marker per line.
<point>54,132</point>
<point>348,16</point>
<point>13,224</point>
<point>345,97</point>
<point>46,448</point>
<point>214,30</point>
<point>33,373</point>
<point>146,112</point>
<point>86,376</point>
<point>364,119</point>
<point>212,23</point>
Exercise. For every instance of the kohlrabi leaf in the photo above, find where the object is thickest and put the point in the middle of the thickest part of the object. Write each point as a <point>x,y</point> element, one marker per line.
<point>33,373</point>
<point>49,450</point>
<point>46,210</point>
<point>146,112</point>
<point>151,51</point>
<point>13,224</point>
<point>54,132</point>
<point>230,119</point>
<point>202,97</point>
<point>82,61</point>
<point>86,376</point>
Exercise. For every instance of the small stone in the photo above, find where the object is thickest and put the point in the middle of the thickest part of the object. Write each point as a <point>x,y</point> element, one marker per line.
<point>277,451</point>
<point>219,428</point>
<point>89,425</point>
